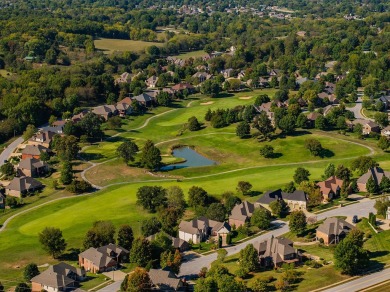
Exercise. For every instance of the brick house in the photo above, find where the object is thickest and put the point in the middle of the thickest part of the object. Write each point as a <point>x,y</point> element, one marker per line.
<point>376,173</point>
<point>273,252</point>
<point>332,230</point>
<point>32,167</point>
<point>34,151</point>
<point>241,214</point>
<point>22,185</point>
<point>330,188</point>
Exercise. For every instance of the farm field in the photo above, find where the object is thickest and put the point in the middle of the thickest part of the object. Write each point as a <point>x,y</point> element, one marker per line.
<point>111,45</point>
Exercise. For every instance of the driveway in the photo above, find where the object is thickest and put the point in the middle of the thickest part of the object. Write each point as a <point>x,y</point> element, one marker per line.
<point>8,151</point>
<point>115,275</point>
<point>357,110</point>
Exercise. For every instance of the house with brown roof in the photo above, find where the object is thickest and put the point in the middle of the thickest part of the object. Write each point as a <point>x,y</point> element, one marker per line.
<point>241,214</point>
<point>79,116</point>
<point>102,259</point>
<point>311,118</point>
<point>273,252</point>
<point>42,138</point>
<point>60,277</point>
<point>296,200</point>
<point>34,151</point>
<point>199,229</point>
<point>371,127</point>
<point>125,77</point>
<point>376,173</point>
<point>20,186</point>
<point>332,230</point>
<point>330,188</point>
<point>32,167</point>
<point>183,86</point>
<point>386,132</point>
<point>201,76</point>
<point>147,99</point>
<point>177,243</point>
<point>164,280</point>
<point>151,81</point>
<point>105,111</point>
<point>124,109</point>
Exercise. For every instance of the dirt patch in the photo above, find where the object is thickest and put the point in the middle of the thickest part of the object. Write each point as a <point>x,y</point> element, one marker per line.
<point>207,103</point>
<point>245,97</point>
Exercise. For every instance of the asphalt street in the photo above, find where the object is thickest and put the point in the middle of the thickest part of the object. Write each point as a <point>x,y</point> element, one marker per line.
<point>8,151</point>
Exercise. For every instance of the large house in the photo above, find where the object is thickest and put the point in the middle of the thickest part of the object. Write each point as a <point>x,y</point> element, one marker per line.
<point>295,201</point>
<point>22,185</point>
<point>151,81</point>
<point>42,138</point>
<point>105,111</point>
<point>201,76</point>
<point>241,214</point>
<point>34,151</point>
<point>371,127</point>
<point>376,173</point>
<point>164,280</point>
<point>124,109</point>
<point>199,229</point>
<point>146,99</point>
<point>177,243</point>
<point>183,86</point>
<point>273,252</point>
<point>60,277</point>
<point>32,167</point>
<point>330,188</point>
<point>102,259</point>
<point>332,230</point>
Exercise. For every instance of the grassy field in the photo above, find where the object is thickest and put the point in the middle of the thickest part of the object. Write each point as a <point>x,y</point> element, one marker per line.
<point>111,45</point>
<point>194,54</point>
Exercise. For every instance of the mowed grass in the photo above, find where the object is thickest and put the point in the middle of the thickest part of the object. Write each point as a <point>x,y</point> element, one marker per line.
<point>380,288</point>
<point>111,45</point>
<point>194,54</point>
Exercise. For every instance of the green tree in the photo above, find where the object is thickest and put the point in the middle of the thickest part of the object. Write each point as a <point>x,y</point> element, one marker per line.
<point>320,123</point>
<point>301,174</point>
<point>197,197</point>
<point>66,173</point>
<point>51,56</point>
<point>329,171</point>
<point>150,226</point>
<point>52,241</point>
<point>244,187</point>
<point>383,143</point>
<point>216,211</point>
<point>45,156</point>
<point>171,260</point>
<point>67,147</point>
<point>211,88</point>
<point>267,151</point>
<point>30,271</point>
<point>22,287</point>
<point>125,236</point>
<point>150,156</point>
<point>163,98</point>
<point>263,124</point>
<point>372,186</point>
<point>101,233</point>
<point>259,285</point>
<point>381,205</point>
<point>151,197</point>
<point>222,253</point>
<point>206,285</point>
<point>381,119</point>
<point>289,188</point>
<point>249,258</point>
<point>287,124</point>
<point>243,129</point>
<point>384,185</point>
<point>140,252</point>
<point>114,123</point>
<point>297,222</point>
<point>127,150</point>
<point>90,125</point>
<point>262,98</point>
<point>7,169</point>
<point>343,173</point>
<point>175,198</point>
<point>314,146</point>
<point>261,218</point>
<point>29,132</point>
<point>193,124</point>
<point>278,207</point>
<point>137,281</point>
<point>362,164</point>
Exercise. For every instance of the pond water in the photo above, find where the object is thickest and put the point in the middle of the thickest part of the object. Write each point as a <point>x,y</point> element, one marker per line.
<point>193,159</point>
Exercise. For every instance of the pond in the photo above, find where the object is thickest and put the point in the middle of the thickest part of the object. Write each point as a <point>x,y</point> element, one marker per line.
<point>193,159</point>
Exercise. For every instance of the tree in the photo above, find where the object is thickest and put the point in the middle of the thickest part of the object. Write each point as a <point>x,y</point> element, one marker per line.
<point>150,156</point>
<point>301,174</point>
<point>22,287</point>
<point>381,205</point>
<point>243,129</point>
<point>372,186</point>
<point>343,173</point>
<point>175,198</point>
<point>287,124</point>
<point>141,252</point>
<point>67,147</point>
<point>262,98</point>
<point>329,171</point>
<point>230,200</point>
<point>302,121</point>
<point>45,156</point>
<point>127,150</point>
<point>30,271</point>
<point>362,164</point>
<point>169,218</point>
<point>314,195</point>
<point>52,241</point>
<point>314,146</point>
<point>171,260</point>
<point>150,226</point>
<point>101,233</point>
<point>206,285</point>
<point>163,98</point>
<point>261,218</point>
<point>29,132</point>
<point>151,197</point>
<point>193,124</point>
<point>278,207</point>
<point>289,188</point>
<point>114,123</point>
<point>11,202</point>
<point>263,124</point>
<point>384,185</point>
<point>216,211</point>
<point>341,123</point>
<point>66,173</point>
<point>381,119</point>
<point>137,281</point>
<point>1,287</point>
<point>349,255</point>
<point>297,222</point>
<point>7,169</point>
<point>267,151</point>
<point>90,125</point>
<point>125,236</point>
<point>197,197</point>
<point>383,143</point>
<point>222,253</point>
<point>320,123</point>
<point>249,258</point>
<point>244,187</point>
<point>260,285</point>
<point>211,88</point>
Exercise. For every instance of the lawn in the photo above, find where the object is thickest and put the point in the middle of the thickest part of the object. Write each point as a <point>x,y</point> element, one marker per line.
<point>111,45</point>
<point>380,288</point>
<point>194,54</point>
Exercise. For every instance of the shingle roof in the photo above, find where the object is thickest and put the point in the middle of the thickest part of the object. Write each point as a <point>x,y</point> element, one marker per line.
<point>242,211</point>
<point>100,257</point>
<point>52,279</point>
<point>34,150</point>
<point>176,242</point>
<point>335,226</point>
<point>24,183</point>
<point>144,97</point>
<point>276,248</point>
<point>332,184</point>
<point>31,163</point>
<point>164,279</point>
<point>376,173</point>
<point>196,226</point>
<point>270,196</point>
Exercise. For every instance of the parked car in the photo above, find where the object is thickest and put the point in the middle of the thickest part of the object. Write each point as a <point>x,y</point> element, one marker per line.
<point>355,219</point>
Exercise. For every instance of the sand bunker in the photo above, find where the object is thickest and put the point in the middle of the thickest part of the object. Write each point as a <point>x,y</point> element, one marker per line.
<point>207,103</point>
<point>245,97</point>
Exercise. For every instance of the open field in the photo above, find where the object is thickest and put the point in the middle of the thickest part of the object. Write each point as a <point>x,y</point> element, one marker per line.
<point>194,54</point>
<point>111,45</point>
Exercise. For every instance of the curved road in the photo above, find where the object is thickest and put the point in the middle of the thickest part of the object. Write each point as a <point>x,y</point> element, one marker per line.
<point>9,150</point>
<point>357,110</point>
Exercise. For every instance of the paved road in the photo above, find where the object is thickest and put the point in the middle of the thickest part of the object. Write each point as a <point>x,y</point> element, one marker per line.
<point>357,110</point>
<point>361,283</point>
<point>8,151</point>
<point>116,286</point>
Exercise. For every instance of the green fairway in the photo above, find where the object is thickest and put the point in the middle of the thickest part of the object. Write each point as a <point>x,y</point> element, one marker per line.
<point>111,45</point>
<point>194,54</point>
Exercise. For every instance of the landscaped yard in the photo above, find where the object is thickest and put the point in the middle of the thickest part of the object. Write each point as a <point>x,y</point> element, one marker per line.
<point>111,45</point>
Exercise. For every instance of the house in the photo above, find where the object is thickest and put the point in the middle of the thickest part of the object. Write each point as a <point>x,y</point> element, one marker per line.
<point>177,243</point>
<point>386,132</point>
<point>105,111</point>
<point>79,116</point>
<point>60,277</point>
<point>376,173</point>
<point>2,201</point>
<point>330,88</point>
<point>59,123</point>
<point>330,188</point>
<point>201,76</point>
<point>32,167</point>
<point>199,229</point>
<point>22,185</point>
<point>123,78</point>
<point>300,80</point>
<point>241,214</point>
<point>124,109</point>
<point>273,252</point>
<point>102,259</point>
<point>386,101</point>
<point>127,100</point>
<point>151,82</point>
<point>295,201</point>
<point>312,117</point>
<point>241,75</point>
<point>183,86</point>
<point>34,151</point>
<point>164,280</point>
<point>145,99</point>
<point>327,109</point>
<point>42,138</point>
<point>332,230</point>
<point>227,73</point>
<point>274,72</point>
<point>371,127</point>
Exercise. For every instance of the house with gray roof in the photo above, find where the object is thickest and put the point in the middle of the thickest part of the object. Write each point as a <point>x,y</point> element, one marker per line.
<point>369,127</point>
<point>32,167</point>
<point>386,132</point>
<point>102,259</point>
<point>20,186</point>
<point>296,200</point>
<point>385,100</point>
<point>34,151</point>
<point>273,252</point>
<point>332,230</point>
<point>43,138</point>
<point>60,277</point>
<point>145,99</point>
<point>376,173</point>
<point>105,111</point>
<point>241,214</point>
<point>164,280</point>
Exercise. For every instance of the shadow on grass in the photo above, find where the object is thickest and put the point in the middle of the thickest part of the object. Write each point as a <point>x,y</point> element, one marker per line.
<point>117,139</point>
<point>224,94</point>
<point>254,193</point>
<point>92,156</point>
<point>71,255</point>
<point>326,153</point>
